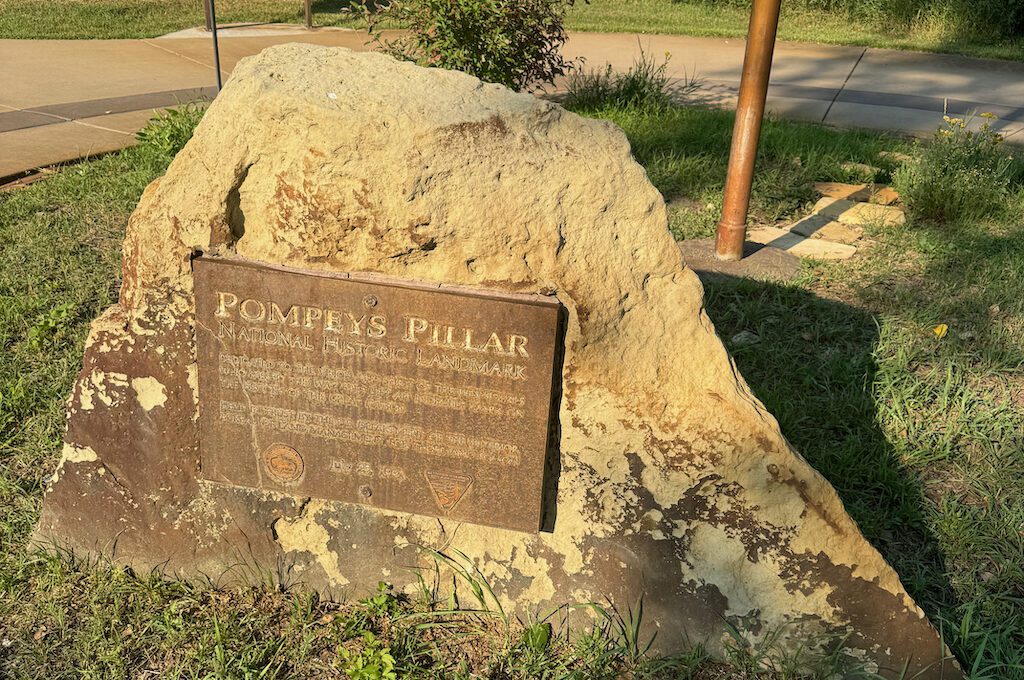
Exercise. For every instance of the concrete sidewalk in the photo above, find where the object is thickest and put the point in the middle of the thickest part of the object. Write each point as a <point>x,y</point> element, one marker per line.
<point>65,99</point>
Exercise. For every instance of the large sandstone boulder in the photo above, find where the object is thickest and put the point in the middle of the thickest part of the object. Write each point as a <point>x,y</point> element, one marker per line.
<point>675,484</point>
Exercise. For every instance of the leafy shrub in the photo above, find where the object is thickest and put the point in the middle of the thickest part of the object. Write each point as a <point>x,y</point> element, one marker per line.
<point>642,86</point>
<point>165,134</point>
<point>961,175</point>
<point>513,42</point>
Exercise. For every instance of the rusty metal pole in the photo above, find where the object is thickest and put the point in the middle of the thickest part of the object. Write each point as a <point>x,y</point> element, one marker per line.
<point>309,14</point>
<point>208,15</point>
<point>757,67</point>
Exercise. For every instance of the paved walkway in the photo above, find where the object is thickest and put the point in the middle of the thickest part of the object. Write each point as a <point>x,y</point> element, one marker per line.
<point>66,99</point>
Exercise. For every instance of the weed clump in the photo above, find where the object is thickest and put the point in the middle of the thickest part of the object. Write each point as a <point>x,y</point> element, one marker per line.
<point>643,86</point>
<point>961,175</point>
<point>167,133</point>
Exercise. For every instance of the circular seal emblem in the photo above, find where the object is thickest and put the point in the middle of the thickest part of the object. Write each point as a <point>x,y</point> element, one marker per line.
<point>283,463</point>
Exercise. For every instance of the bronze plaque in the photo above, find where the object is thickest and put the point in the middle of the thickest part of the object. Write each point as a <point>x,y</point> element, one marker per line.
<point>421,398</point>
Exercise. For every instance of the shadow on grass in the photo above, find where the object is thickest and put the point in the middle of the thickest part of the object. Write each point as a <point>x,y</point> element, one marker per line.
<point>813,368</point>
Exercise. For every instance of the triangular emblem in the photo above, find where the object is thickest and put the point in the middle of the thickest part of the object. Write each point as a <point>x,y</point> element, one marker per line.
<point>448,488</point>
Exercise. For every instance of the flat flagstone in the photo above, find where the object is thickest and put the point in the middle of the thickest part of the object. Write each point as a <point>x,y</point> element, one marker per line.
<point>859,214</point>
<point>870,193</point>
<point>801,246</point>
<point>853,192</point>
<point>884,195</point>
<point>821,227</point>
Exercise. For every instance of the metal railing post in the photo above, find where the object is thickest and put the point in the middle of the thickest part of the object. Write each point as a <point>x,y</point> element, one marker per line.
<point>216,47</point>
<point>207,15</point>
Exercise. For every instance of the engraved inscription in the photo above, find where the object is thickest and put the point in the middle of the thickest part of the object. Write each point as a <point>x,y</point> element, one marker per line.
<point>398,395</point>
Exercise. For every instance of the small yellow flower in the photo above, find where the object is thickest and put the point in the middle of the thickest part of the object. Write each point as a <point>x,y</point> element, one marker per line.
<point>940,330</point>
<point>989,115</point>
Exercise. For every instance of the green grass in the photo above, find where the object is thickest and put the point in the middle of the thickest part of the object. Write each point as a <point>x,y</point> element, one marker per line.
<point>923,437</point>
<point>796,24</point>
<point>150,18</point>
<point>82,19</point>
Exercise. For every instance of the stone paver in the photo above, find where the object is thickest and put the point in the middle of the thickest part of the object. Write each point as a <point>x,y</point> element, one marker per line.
<point>809,248</point>
<point>869,193</point>
<point>822,227</point>
<point>859,214</point>
<point>837,221</point>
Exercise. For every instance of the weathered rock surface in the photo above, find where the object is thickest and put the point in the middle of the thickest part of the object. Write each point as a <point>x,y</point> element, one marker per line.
<point>675,484</point>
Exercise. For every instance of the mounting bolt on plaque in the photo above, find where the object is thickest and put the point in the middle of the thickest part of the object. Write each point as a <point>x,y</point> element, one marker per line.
<point>370,300</point>
<point>365,491</point>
